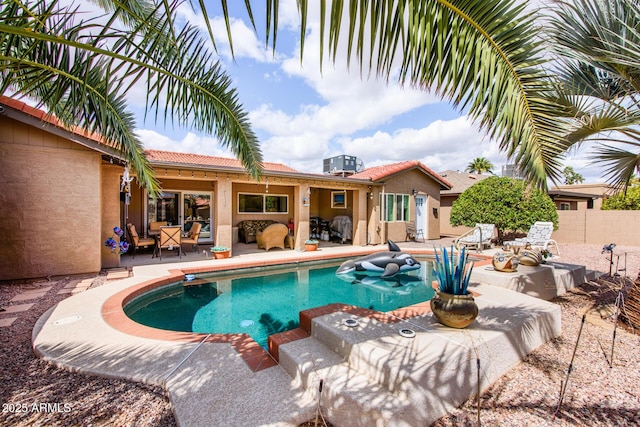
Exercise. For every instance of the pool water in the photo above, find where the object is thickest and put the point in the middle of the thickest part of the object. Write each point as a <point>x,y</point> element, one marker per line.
<point>264,303</point>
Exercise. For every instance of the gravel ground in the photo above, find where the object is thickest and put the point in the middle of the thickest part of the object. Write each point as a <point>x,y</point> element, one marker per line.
<point>36,393</point>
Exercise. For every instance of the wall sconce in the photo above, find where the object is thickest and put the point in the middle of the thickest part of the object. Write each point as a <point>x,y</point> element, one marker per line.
<point>435,212</point>
<point>371,195</point>
<point>267,185</point>
<point>414,192</point>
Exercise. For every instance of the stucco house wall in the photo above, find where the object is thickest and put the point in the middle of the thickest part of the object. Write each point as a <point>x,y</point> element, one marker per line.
<point>404,183</point>
<point>50,204</point>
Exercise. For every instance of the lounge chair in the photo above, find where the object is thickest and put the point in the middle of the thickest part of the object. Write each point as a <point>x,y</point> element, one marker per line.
<point>272,237</point>
<point>539,236</point>
<point>137,241</point>
<point>478,237</point>
<point>170,238</point>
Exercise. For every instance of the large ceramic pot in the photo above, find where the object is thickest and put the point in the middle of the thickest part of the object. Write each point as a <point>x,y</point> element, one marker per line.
<point>455,311</point>
<point>505,261</point>
<point>530,257</point>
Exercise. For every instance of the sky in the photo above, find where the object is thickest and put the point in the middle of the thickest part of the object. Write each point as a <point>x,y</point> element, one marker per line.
<point>302,115</point>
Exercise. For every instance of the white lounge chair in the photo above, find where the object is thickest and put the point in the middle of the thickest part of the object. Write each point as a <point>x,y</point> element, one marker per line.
<point>479,237</point>
<point>539,236</point>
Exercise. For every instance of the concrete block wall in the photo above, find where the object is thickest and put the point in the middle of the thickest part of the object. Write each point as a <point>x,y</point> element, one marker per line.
<point>49,202</point>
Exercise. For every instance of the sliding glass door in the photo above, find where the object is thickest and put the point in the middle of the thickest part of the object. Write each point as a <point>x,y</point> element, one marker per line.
<point>183,208</point>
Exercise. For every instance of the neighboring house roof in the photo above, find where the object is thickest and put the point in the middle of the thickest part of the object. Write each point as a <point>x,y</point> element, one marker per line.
<point>461,181</point>
<point>597,189</point>
<point>170,157</point>
<point>554,194</point>
<point>378,173</point>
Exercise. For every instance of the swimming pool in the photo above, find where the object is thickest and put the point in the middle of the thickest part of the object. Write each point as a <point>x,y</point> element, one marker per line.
<point>261,303</point>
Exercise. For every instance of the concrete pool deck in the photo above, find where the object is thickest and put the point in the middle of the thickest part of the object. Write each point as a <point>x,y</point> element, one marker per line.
<point>371,374</point>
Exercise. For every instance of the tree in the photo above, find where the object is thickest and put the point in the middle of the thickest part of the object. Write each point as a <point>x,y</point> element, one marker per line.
<point>598,43</point>
<point>508,203</point>
<point>479,165</point>
<point>571,177</point>
<point>80,70</point>
<point>628,200</point>
<point>482,55</point>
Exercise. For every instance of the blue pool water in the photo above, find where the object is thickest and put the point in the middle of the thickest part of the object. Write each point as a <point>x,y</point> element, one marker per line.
<point>266,302</point>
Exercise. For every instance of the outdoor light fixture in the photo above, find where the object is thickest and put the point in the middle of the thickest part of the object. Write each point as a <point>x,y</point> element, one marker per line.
<point>414,192</point>
<point>267,186</point>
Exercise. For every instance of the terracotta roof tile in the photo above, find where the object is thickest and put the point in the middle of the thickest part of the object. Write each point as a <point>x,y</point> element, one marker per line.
<point>158,156</point>
<point>377,173</point>
<point>48,118</point>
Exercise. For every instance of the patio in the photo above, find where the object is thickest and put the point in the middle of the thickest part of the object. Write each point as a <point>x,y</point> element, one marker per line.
<point>370,373</point>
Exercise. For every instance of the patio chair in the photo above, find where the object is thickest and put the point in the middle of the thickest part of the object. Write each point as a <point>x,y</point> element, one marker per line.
<point>539,236</point>
<point>272,237</point>
<point>137,241</point>
<point>170,238</point>
<point>155,225</point>
<point>193,235</point>
<point>478,237</point>
<point>412,232</point>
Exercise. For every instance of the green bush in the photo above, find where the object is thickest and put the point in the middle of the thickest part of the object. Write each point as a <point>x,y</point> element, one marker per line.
<point>508,203</point>
<point>624,202</point>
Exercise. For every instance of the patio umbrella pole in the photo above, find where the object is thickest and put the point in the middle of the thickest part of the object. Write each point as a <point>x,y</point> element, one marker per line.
<point>563,386</point>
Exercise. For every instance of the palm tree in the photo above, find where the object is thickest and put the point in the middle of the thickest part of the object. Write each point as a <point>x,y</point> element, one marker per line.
<point>599,45</point>
<point>482,55</point>
<point>479,165</point>
<point>80,70</point>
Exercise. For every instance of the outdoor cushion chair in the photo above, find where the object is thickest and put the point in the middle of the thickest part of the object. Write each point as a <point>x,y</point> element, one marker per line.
<point>170,238</point>
<point>539,236</point>
<point>137,241</point>
<point>478,237</point>
<point>272,237</point>
<point>193,235</point>
<point>412,232</point>
<point>155,225</point>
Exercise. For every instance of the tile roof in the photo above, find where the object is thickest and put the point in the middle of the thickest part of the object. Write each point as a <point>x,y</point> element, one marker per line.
<point>377,173</point>
<point>158,156</point>
<point>49,118</point>
<point>461,180</point>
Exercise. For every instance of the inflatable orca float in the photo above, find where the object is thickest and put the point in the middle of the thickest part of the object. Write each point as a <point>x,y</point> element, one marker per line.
<point>399,284</point>
<point>384,263</point>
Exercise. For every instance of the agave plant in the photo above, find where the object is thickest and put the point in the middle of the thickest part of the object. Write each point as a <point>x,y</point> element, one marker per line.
<point>453,270</point>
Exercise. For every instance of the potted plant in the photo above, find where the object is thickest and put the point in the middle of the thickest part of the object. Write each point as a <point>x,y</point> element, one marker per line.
<point>310,245</point>
<point>220,252</point>
<point>453,305</point>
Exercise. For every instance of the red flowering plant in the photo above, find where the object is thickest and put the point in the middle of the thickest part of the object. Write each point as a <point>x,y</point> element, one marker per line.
<point>113,245</point>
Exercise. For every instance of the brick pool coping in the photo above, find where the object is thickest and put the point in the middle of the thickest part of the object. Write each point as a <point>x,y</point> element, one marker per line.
<point>256,357</point>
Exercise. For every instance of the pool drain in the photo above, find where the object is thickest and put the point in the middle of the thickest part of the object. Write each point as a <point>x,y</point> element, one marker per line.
<point>67,320</point>
<point>352,323</point>
<point>407,333</point>
<point>246,323</point>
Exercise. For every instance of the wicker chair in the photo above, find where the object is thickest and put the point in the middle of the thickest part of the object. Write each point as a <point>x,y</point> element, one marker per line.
<point>192,236</point>
<point>170,237</point>
<point>137,241</point>
<point>272,237</point>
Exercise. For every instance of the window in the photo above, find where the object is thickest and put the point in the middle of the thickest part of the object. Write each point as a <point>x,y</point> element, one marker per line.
<point>402,207</point>
<point>590,204</point>
<point>394,207</point>
<point>565,206</point>
<point>263,203</point>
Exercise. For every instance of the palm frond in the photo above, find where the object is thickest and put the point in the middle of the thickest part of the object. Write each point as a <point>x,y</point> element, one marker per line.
<point>481,55</point>
<point>80,70</point>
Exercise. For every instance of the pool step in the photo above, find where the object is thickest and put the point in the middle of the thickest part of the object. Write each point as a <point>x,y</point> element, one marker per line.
<point>348,397</point>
